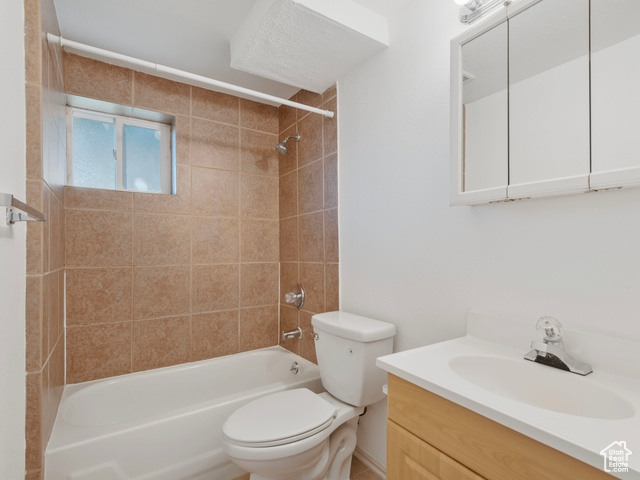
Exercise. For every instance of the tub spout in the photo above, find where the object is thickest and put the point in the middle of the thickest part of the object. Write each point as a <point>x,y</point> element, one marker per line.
<point>297,333</point>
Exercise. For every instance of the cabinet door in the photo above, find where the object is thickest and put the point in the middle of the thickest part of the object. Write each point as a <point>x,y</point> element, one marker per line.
<point>410,458</point>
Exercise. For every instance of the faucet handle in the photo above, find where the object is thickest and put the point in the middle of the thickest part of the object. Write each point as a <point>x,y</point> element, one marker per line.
<point>550,328</point>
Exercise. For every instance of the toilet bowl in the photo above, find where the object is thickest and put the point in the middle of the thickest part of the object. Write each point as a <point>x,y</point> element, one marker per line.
<point>301,435</point>
<point>295,440</point>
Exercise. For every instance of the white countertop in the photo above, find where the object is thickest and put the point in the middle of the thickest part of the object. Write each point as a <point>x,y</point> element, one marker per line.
<point>578,436</point>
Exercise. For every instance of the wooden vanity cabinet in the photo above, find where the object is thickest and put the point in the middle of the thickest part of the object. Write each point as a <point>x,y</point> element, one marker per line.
<point>430,437</point>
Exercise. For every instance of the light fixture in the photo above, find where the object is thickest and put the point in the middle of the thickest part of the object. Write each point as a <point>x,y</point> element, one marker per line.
<point>471,10</point>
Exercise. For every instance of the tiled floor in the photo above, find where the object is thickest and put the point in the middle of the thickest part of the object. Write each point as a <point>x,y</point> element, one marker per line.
<point>359,471</point>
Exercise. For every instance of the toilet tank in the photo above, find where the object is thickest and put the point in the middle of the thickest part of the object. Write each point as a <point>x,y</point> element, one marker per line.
<point>347,346</point>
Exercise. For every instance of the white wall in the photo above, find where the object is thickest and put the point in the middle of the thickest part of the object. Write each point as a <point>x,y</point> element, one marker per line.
<point>409,258</point>
<point>12,245</point>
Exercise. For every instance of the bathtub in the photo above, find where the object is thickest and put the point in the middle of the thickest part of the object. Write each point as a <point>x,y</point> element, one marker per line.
<point>165,424</point>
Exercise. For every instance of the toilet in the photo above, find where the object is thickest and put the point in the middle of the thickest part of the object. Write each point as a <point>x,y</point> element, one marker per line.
<point>300,435</point>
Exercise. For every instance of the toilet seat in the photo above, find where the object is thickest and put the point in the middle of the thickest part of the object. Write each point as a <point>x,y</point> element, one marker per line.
<point>278,419</point>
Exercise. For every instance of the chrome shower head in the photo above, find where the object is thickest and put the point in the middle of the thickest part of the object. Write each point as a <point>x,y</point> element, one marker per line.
<point>282,146</point>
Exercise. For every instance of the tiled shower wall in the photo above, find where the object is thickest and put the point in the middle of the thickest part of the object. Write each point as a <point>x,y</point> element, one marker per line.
<point>309,215</point>
<point>156,280</point>
<point>46,175</point>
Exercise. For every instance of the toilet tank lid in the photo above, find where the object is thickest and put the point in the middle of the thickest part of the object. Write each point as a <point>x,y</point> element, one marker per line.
<point>353,327</point>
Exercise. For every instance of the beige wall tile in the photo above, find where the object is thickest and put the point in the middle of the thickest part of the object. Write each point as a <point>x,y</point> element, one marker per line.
<point>329,93</point>
<point>288,195</point>
<point>259,284</point>
<point>99,295</point>
<point>289,161</point>
<point>33,427</point>
<point>214,334</point>
<point>331,246</point>
<point>311,237</point>
<point>34,130</point>
<point>286,117</point>
<point>257,154</point>
<point>289,239</point>
<point>37,475</point>
<point>183,139</point>
<point>32,41</point>
<point>36,246</point>
<point>51,300</point>
<point>312,279</point>
<point>97,199</point>
<point>56,233</point>
<point>310,144</point>
<point>215,287</point>
<point>332,287</point>
<point>289,320</point>
<point>258,116</point>
<point>56,375</point>
<point>33,327</point>
<point>161,240</point>
<point>164,203</point>
<point>160,342</point>
<point>61,306</point>
<point>310,187</point>
<point>259,197</point>
<point>98,351</point>
<point>47,300</point>
<point>160,291</point>
<point>330,128</point>
<point>95,238</point>
<point>216,106</point>
<point>214,240</point>
<point>259,240</point>
<point>308,98</point>
<point>215,145</point>
<point>94,79</point>
<point>258,327</point>
<point>215,192</point>
<point>161,95</point>
<point>289,278</point>
<point>331,181</point>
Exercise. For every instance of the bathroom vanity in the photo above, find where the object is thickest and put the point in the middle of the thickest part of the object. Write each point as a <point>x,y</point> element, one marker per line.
<point>473,407</point>
<point>430,437</point>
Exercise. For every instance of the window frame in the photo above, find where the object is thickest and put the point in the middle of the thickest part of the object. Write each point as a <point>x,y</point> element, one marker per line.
<point>167,173</point>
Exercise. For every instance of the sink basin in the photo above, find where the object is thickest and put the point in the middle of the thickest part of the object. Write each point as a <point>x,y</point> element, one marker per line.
<point>542,386</point>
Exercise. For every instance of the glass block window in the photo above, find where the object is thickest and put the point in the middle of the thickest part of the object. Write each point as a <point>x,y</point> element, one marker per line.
<point>119,153</point>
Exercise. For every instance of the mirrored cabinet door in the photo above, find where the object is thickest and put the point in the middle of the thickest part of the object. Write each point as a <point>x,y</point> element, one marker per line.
<point>549,98</point>
<point>484,99</point>
<point>615,101</point>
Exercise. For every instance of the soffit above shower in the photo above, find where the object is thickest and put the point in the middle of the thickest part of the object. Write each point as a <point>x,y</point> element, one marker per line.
<point>193,36</point>
<point>307,43</point>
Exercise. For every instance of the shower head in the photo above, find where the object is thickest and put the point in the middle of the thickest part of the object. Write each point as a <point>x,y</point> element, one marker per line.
<point>282,146</point>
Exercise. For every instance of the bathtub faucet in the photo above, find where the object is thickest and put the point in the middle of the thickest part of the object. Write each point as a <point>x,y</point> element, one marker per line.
<point>297,333</point>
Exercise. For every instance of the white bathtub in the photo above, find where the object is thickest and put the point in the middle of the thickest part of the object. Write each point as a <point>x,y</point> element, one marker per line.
<point>165,424</point>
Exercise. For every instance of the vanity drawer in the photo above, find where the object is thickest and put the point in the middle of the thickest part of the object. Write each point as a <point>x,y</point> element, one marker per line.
<point>484,446</point>
<point>414,459</point>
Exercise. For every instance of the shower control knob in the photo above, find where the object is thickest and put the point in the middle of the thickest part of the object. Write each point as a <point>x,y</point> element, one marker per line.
<point>296,296</point>
<point>291,297</point>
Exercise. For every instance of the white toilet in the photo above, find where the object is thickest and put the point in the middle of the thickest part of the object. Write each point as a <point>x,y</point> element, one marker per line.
<point>300,435</point>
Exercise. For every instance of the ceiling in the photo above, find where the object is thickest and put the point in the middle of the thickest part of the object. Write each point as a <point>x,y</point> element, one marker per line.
<point>189,35</point>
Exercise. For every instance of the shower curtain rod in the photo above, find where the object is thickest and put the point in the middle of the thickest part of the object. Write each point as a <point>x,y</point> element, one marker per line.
<point>63,42</point>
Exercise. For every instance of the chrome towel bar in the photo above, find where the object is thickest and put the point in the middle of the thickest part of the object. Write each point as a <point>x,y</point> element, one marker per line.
<point>18,211</point>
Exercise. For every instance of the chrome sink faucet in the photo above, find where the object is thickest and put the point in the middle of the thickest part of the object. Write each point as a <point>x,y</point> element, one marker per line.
<point>551,350</point>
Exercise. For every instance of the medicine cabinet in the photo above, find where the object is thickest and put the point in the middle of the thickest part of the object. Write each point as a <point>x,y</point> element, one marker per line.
<point>543,101</point>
